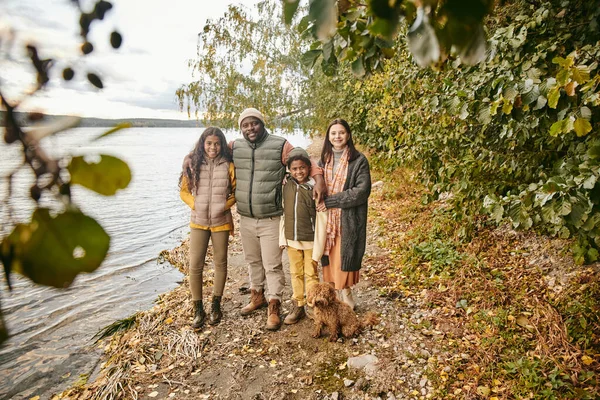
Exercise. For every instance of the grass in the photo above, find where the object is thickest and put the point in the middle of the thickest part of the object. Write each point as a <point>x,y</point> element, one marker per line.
<point>117,326</point>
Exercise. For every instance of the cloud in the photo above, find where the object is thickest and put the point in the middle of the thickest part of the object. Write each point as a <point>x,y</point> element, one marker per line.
<point>141,77</point>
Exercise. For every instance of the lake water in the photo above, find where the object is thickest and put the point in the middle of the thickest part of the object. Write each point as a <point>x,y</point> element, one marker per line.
<point>51,328</point>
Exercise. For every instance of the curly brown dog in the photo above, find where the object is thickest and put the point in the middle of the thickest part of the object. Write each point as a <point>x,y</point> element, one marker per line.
<point>336,315</point>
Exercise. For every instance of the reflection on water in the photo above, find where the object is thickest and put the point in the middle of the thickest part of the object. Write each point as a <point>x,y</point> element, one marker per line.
<point>51,329</point>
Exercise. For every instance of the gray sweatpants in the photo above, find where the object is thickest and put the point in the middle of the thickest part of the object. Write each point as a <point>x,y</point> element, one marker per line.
<point>260,240</point>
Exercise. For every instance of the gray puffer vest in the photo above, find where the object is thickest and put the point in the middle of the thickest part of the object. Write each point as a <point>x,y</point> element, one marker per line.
<point>259,173</point>
<point>213,189</point>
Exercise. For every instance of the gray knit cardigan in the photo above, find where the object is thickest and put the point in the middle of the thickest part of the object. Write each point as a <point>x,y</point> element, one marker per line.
<point>353,201</point>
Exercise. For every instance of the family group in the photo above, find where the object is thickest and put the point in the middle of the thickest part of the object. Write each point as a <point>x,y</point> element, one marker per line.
<point>317,210</point>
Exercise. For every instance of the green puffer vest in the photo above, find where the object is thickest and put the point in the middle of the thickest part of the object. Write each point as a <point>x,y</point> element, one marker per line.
<point>259,173</point>
<point>300,211</point>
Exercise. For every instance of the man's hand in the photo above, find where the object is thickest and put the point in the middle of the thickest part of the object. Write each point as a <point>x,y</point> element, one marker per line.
<point>320,189</point>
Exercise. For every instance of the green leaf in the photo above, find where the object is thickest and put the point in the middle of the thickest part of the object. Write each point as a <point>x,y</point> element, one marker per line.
<point>564,208</point>
<point>328,50</point>
<point>358,68</point>
<point>586,113</point>
<point>383,27</point>
<point>310,58</point>
<point>592,255</point>
<point>553,96</point>
<point>324,15</point>
<point>289,9</point>
<point>52,251</point>
<point>116,128</point>
<point>541,103</point>
<point>590,182</point>
<point>484,116</point>
<point>105,177</point>
<point>594,152</point>
<point>497,213</point>
<point>557,128</point>
<point>582,127</point>
<point>303,24</point>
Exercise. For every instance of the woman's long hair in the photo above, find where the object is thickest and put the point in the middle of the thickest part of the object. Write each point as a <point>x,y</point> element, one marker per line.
<point>327,151</point>
<point>197,157</point>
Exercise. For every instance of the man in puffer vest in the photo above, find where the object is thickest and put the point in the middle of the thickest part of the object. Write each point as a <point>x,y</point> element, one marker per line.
<point>260,161</point>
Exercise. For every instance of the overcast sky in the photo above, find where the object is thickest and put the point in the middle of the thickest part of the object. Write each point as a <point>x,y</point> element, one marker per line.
<point>140,78</point>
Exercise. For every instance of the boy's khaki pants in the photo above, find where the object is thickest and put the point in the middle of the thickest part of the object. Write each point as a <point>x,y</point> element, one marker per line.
<point>260,241</point>
<point>301,268</point>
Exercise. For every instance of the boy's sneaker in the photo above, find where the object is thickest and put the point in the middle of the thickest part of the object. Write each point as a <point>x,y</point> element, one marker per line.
<point>295,315</point>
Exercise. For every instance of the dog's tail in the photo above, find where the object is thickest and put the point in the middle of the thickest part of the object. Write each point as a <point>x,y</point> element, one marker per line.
<point>369,319</point>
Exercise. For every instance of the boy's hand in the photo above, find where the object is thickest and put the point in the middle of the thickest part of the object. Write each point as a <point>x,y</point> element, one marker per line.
<point>321,206</point>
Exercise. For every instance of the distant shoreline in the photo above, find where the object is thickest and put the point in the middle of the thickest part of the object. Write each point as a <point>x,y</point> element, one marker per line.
<point>22,119</point>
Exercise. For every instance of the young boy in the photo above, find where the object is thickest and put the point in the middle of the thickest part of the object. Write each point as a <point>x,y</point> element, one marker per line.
<point>302,231</point>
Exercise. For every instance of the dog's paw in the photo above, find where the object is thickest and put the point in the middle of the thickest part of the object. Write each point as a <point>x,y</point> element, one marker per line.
<point>315,335</point>
<point>333,338</point>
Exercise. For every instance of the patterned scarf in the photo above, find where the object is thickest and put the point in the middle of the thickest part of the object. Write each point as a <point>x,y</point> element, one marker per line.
<point>335,184</point>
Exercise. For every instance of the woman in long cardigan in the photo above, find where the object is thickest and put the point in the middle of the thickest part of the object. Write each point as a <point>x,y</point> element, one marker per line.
<point>348,180</point>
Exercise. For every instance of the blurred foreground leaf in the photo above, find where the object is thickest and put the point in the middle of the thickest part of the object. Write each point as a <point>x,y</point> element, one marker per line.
<point>104,177</point>
<point>52,251</point>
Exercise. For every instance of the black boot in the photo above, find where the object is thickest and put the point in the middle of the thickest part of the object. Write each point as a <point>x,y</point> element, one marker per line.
<point>199,315</point>
<point>215,311</point>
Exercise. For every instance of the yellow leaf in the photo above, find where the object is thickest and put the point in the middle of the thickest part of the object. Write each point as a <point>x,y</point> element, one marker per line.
<point>553,96</point>
<point>483,391</point>
<point>169,320</point>
<point>582,127</point>
<point>507,107</point>
<point>35,398</point>
<point>587,360</point>
<point>524,322</point>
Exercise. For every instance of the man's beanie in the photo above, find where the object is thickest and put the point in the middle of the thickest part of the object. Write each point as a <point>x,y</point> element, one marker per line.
<point>250,112</point>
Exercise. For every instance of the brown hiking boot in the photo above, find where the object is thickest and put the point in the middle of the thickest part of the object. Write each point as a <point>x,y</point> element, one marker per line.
<point>295,315</point>
<point>257,300</point>
<point>273,319</point>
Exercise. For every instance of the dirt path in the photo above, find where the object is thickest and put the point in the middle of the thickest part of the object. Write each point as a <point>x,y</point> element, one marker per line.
<point>164,358</point>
